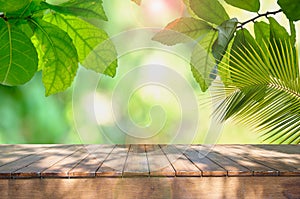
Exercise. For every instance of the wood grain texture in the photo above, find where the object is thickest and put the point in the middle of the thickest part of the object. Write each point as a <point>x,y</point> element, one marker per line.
<point>182,165</point>
<point>114,164</point>
<point>159,164</point>
<point>137,162</point>
<point>38,153</point>
<point>277,158</point>
<point>49,158</point>
<point>88,166</point>
<point>232,167</point>
<point>10,153</point>
<point>256,167</point>
<point>158,188</point>
<point>62,168</point>
<point>207,166</point>
<point>36,161</point>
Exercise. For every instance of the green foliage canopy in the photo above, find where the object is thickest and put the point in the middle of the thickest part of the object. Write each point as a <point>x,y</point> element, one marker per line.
<point>37,35</point>
<point>260,72</point>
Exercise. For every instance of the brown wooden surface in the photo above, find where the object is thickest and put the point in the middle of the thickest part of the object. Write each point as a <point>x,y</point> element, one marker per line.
<point>136,154</point>
<point>182,165</point>
<point>207,166</point>
<point>45,161</point>
<point>233,168</point>
<point>92,162</point>
<point>159,164</point>
<point>113,166</point>
<point>156,187</point>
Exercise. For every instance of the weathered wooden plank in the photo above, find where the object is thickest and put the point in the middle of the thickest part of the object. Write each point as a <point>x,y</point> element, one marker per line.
<point>49,159</point>
<point>232,168</point>
<point>158,187</point>
<point>284,148</point>
<point>136,163</point>
<point>7,169</point>
<point>10,153</point>
<point>208,167</point>
<point>92,162</point>
<point>143,160</point>
<point>62,168</point>
<point>159,164</point>
<point>182,165</point>
<point>241,158</point>
<point>285,163</point>
<point>114,164</point>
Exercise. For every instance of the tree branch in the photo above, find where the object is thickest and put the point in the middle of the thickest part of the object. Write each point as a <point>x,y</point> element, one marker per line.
<point>259,16</point>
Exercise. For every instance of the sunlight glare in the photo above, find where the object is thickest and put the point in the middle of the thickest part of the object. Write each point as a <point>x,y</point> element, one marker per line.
<point>157,6</point>
<point>103,109</point>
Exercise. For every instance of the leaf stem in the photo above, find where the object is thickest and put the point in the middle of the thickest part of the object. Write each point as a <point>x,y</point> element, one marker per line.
<point>259,16</point>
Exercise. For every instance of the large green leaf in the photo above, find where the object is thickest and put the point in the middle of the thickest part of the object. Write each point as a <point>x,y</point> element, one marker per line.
<point>24,27</point>
<point>189,9</point>
<point>278,32</point>
<point>226,32</point>
<point>182,30</point>
<point>293,32</point>
<point>60,56</point>
<point>209,10</point>
<point>18,58</point>
<point>262,33</point>
<point>203,62</point>
<point>10,6</point>
<point>244,44</point>
<point>260,98</point>
<point>290,8</point>
<point>38,48</point>
<point>223,68</point>
<point>250,5</point>
<point>89,41</point>
<point>82,8</point>
<point>279,37</point>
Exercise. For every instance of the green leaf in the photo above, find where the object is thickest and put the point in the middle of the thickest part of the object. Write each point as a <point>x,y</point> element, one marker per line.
<point>95,49</point>
<point>82,8</point>
<point>290,8</point>
<point>182,30</point>
<point>243,44</point>
<point>278,32</point>
<point>18,58</point>
<point>202,61</point>
<point>209,10</point>
<point>38,48</point>
<point>189,9</point>
<point>25,28</point>
<point>264,95</point>
<point>226,32</point>
<point>199,78</point>
<point>278,38</point>
<point>262,32</point>
<point>37,9</point>
<point>223,67</point>
<point>293,32</point>
<point>250,5</point>
<point>60,57</point>
<point>11,6</point>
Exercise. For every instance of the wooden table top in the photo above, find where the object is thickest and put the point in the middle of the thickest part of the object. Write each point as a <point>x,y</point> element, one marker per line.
<point>45,161</point>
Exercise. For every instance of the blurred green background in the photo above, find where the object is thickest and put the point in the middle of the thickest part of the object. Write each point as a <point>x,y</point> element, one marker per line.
<point>29,117</point>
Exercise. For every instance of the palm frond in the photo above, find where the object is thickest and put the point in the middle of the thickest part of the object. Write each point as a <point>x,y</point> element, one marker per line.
<point>264,92</point>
